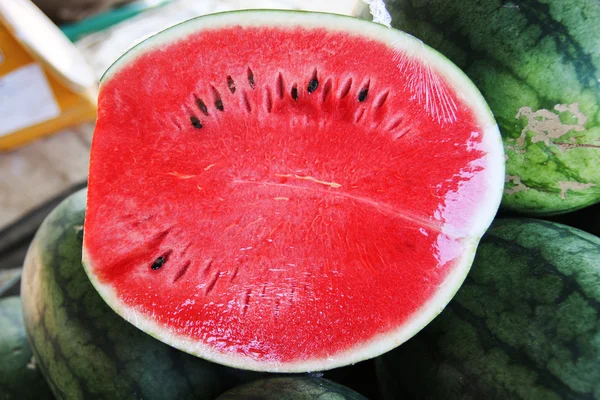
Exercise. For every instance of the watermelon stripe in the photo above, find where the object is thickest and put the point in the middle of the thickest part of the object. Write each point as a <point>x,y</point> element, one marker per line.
<point>72,306</point>
<point>41,327</point>
<point>545,379</point>
<point>84,391</point>
<point>539,14</point>
<point>42,361</point>
<point>571,285</point>
<point>41,364</point>
<point>551,151</point>
<point>570,173</point>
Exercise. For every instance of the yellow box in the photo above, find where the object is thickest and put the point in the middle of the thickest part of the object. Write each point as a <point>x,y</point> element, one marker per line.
<point>45,84</point>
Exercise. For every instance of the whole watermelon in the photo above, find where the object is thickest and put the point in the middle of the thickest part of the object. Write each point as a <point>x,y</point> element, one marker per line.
<point>537,63</point>
<point>291,388</point>
<point>524,325</point>
<point>84,349</point>
<point>20,377</point>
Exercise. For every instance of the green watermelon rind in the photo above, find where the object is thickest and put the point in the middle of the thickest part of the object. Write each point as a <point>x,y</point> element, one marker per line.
<point>454,77</point>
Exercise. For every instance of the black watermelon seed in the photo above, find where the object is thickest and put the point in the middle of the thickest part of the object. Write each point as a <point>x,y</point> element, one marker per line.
<point>313,85</point>
<point>219,105</point>
<point>195,122</point>
<point>362,96</point>
<point>158,263</point>
<point>295,93</point>
<point>231,84</point>
<point>202,106</point>
<point>251,78</point>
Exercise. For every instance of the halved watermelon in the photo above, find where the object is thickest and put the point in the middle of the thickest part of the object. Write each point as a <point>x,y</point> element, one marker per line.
<point>287,191</point>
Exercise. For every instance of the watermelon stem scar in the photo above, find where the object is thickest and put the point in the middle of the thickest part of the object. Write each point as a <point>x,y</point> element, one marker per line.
<point>278,222</point>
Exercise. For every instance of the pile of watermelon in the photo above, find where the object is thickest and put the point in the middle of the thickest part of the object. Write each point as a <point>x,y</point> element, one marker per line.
<point>287,205</point>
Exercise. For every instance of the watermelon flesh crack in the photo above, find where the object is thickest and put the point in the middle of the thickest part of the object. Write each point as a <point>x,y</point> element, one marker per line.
<point>286,191</point>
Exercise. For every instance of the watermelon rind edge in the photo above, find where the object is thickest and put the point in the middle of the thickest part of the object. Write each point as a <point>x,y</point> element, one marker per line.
<point>466,91</point>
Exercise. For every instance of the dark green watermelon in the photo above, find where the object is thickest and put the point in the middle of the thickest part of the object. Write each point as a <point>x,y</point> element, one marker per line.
<point>537,63</point>
<point>291,388</point>
<point>20,377</point>
<point>84,349</point>
<point>525,324</point>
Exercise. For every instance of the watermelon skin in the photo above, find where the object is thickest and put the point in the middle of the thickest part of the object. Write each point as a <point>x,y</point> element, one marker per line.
<point>20,377</point>
<point>523,326</point>
<point>84,349</point>
<point>291,388</point>
<point>537,63</point>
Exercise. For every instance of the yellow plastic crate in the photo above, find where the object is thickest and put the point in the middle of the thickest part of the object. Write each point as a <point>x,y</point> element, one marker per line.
<point>45,84</point>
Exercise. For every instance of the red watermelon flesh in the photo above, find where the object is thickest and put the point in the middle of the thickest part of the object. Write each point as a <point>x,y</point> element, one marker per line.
<point>286,191</point>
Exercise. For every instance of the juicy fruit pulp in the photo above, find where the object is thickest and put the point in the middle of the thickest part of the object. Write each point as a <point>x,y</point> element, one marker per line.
<point>537,64</point>
<point>523,326</point>
<point>296,192</point>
